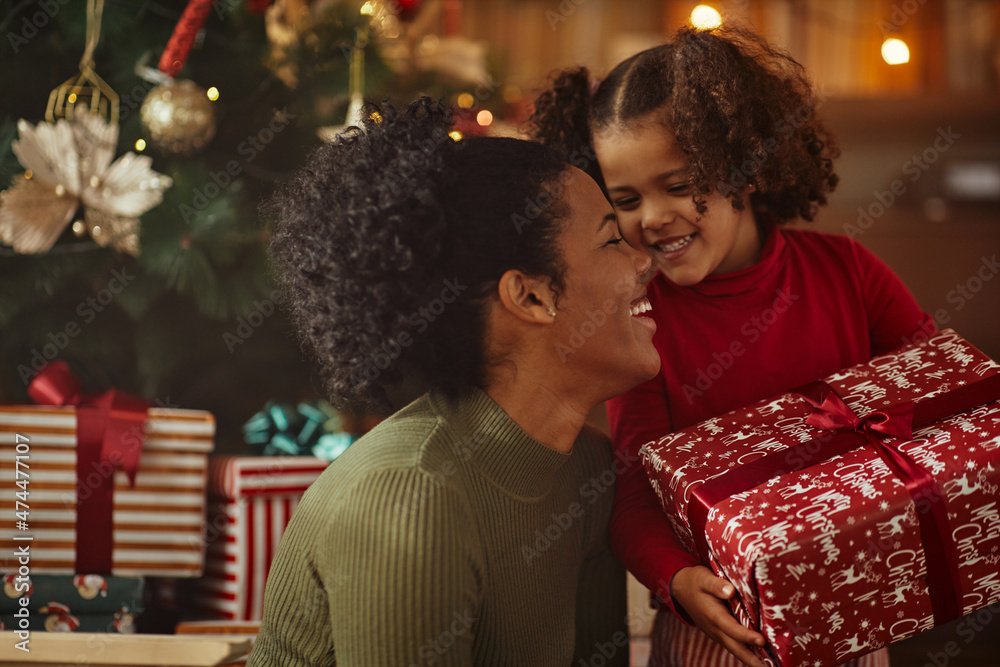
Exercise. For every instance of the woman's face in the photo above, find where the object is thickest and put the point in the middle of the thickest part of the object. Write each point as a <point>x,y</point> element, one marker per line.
<point>599,328</point>
<point>646,174</point>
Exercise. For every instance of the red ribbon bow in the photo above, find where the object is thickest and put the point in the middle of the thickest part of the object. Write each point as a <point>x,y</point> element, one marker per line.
<point>110,429</point>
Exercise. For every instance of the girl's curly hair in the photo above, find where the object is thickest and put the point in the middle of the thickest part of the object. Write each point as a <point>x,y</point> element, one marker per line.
<point>742,111</point>
<point>391,240</point>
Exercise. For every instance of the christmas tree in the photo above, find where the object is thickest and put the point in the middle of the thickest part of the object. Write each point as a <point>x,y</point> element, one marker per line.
<point>176,303</point>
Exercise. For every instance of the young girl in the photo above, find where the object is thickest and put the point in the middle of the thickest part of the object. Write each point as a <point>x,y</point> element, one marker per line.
<point>708,145</point>
<point>464,529</point>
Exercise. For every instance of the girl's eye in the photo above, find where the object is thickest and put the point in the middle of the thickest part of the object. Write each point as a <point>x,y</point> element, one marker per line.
<point>625,201</point>
<point>679,189</point>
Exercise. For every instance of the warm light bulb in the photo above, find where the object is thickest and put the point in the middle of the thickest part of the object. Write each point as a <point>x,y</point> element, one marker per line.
<point>895,51</point>
<point>140,145</point>
<point>455,135</point>
<point>484,118</point>
<point>704,17</point>
<point>212,93</point>
<point>367,9</point>
<point>466,100</point>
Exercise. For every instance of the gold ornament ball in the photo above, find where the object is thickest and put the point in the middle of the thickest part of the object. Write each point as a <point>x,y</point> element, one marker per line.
<point>179,117</point>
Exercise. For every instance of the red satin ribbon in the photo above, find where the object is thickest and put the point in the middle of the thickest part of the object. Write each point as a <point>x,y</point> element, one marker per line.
<point>110,429</point>
<point>846,432</point>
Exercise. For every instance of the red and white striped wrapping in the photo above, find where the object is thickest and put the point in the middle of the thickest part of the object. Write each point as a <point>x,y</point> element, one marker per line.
<point>251,500</point>
<point>158,524</point>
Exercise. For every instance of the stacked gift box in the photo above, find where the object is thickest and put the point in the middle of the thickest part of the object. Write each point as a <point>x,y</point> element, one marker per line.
<point>849,513</point>
<point>68,603</point>
<point>107,489</point>
<point>251,500</point>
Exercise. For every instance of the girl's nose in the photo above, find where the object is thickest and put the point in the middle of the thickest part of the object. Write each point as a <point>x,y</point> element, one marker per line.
<point>657,214</point>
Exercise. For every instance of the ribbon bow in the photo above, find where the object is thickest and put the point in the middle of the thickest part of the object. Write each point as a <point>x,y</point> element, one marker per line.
<point>113,422</point>
<point>830,412</point>
<point>110,430</point>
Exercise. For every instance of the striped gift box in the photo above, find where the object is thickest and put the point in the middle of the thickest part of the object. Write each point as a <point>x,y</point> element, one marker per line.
<point>158,524</point>
<point>251,499</point>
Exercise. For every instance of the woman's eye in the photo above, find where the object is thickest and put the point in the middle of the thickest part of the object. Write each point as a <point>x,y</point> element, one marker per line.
<point>625,201</point>
<point>615,240</point>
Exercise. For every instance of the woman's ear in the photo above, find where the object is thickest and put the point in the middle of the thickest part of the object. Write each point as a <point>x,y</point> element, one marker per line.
<point>528,298</point>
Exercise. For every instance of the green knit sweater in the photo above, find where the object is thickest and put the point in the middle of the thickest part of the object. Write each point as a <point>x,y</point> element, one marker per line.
<point>448,536</point>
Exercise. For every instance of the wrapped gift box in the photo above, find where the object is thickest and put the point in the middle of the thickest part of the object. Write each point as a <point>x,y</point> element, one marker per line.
<point>80,593</point>
<point>251,499</point>
<point>158,524</point>
<point>827,553</point>
<point>55,618</point>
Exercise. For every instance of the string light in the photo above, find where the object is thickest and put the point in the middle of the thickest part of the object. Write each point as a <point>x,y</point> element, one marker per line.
<point>704,17</point>
<point>466,100</point>
<point>484,118</point>
<point>895,51</point>
<point>212,93</point>
<point>140,145</point>
<point>367,9</point>
<point>455,135</point>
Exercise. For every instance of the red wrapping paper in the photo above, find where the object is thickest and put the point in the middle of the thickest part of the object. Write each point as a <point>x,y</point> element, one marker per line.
<point>251,501</point>
<point>828,561</point>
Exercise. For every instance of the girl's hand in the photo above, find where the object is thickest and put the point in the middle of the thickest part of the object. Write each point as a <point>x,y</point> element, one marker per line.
<point>700,592</point>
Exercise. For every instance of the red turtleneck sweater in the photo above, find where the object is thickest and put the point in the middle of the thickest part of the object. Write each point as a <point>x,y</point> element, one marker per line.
<point>813,304</point>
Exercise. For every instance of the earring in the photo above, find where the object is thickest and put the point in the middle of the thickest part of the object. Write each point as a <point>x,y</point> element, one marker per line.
<point>551,312</point>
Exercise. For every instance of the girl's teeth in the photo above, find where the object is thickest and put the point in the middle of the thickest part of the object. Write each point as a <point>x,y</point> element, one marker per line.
<point>641,307</point>
<point>678,245</point>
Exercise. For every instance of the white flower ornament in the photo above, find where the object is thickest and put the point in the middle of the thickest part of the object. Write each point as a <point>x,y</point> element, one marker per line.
<point>70,166</point>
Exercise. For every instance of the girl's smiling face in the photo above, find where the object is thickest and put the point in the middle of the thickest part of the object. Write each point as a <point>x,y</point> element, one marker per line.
<point>646,174</point>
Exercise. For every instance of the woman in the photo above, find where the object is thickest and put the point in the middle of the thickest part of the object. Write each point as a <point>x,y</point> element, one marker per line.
<point>471,526</point>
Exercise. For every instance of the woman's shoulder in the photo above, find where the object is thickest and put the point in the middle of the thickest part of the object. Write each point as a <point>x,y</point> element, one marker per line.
<point>408,448</point>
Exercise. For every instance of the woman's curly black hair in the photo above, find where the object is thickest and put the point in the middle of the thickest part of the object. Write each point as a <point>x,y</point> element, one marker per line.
<point>392,239</point>
<point>742,111</point>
